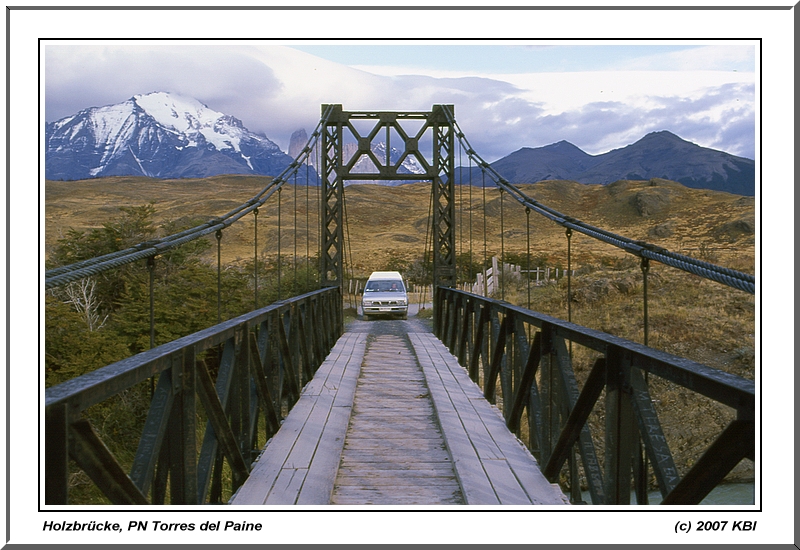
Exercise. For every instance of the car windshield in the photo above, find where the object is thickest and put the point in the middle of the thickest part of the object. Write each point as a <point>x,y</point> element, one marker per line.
<point>384,286</point>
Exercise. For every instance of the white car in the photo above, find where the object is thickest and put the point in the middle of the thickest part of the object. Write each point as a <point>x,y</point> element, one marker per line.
<point>385,294</point>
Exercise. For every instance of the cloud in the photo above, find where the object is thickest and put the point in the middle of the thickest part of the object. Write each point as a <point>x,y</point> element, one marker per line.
<point>276,90</point>
<point>729,57</point>
<point>78,77</point>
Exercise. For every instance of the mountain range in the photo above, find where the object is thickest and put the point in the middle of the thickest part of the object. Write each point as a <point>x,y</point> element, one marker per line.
<point>657,155</point>
<point>166,135</point>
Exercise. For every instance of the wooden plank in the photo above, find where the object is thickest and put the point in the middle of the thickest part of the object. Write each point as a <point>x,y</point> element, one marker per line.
<point>462,392</point>
<point>399,468</point>
<point>475,485</point>
<point>347,384</point>
<point>392,445</point>
<point>519,459</point>
<point>318,485</point>
<point>394,452</point>
<point>522,463</point>
<point>399,430</point>
<point>299,463</point>
<point>484,451</point>
<point>287,486</point>
<point>319,481</point>
<point>304,448</point>
<point>330,371</point>
<point>504,482</point>
<point>400,478</point>
<point>389,496</point>
<point>458,392</point>
<point>266,470</point>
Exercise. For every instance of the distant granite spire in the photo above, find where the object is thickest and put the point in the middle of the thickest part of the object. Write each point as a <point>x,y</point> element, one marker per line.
<point>297,142</point>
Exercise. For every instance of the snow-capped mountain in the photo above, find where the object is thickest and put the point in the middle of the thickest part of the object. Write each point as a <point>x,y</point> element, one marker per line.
<point>365,165</point>
<point>161,135</point>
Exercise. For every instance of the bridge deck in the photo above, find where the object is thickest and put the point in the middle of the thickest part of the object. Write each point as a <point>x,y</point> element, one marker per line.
<point>394,420</point>
<point>394,451</point>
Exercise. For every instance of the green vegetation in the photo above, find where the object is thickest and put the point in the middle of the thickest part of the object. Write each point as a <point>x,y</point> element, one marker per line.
<point>99,320</point>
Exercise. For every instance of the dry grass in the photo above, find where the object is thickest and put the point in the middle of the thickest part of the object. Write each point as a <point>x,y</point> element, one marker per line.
<point>689,316</point>
<point>385,223</point>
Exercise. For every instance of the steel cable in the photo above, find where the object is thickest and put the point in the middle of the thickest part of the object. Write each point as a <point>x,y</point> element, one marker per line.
<point>724,275</point>
<point>93,266</point>
<point>65,274</point>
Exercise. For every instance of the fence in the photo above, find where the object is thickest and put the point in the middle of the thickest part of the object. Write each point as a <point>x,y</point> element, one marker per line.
<point>266,357</point>
<point>488,282</point>
<point>491,340</point>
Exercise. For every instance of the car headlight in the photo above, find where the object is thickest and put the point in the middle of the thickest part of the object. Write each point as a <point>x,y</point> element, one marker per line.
<point>367,302</point>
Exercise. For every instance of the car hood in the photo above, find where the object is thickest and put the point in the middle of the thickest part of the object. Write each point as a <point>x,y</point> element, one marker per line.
<point>385,296</point>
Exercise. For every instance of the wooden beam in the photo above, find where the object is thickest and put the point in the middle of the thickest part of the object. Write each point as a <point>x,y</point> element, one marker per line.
<point>733,444</point>
<point>94,458</point>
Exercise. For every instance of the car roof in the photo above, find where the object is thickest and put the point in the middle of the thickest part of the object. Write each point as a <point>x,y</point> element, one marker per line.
<point>385,275</point>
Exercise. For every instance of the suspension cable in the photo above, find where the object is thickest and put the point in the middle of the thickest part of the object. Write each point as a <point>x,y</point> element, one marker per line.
<point>485,255</point>
<point>308,232</point>
<point>471,274</point>
<point>294,238</point>
<point>502,250</point>
<point>428,227</point>
<point>255,257</point>
<point>460,209</point>
<point>280,262</point>
<point>64,274</point>
<point>85,268</point>
<point>528,251</point>
<point>727,276</point>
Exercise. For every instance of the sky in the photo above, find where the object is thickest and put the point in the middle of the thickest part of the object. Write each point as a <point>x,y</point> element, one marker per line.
<point>507,95</point>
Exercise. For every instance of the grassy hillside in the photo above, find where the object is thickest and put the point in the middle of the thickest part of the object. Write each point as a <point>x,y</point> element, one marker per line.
<point>390,223</point>
<point>387,227</point>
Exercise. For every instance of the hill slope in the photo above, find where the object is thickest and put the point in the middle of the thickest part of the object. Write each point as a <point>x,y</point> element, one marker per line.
<point>391,223</point>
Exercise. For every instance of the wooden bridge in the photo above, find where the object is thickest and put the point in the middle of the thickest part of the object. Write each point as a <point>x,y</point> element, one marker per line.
<point>363,418</point>
<point>394,420</point>
<point>391,419</point>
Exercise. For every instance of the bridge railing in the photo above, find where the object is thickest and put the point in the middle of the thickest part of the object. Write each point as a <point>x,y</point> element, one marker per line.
<point>264,359</point>
<point>528,352</point>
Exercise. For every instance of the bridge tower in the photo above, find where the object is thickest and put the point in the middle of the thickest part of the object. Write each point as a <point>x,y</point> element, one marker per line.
<point>347,153</point>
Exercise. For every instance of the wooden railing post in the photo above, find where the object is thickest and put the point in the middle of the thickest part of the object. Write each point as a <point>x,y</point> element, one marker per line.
<point>183,438</point>
<point>56,455</point>
<point>508,366</point>
<point>548,393</point>
<point>620,427</point>
<point>464,332</point>
<point>243,390</point>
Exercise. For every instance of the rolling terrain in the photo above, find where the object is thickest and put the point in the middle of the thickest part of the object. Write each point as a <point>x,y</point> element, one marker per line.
<point>391,223</point>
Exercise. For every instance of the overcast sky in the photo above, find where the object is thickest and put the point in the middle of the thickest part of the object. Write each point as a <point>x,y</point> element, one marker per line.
<point>598,96</point>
